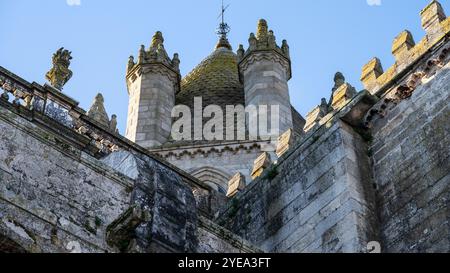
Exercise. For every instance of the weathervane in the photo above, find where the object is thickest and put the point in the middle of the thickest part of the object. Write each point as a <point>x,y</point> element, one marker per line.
<point>223,28</point>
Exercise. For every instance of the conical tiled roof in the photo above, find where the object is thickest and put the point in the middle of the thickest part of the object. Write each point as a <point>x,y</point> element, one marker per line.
<point>215,79</point>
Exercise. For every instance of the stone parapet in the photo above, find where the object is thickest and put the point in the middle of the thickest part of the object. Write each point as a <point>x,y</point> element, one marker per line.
<point>405,51</point>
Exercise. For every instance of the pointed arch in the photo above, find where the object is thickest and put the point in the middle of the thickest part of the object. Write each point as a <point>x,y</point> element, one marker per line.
<point>214,177</point>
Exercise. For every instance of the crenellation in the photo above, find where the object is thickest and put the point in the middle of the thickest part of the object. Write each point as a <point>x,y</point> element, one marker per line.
<point>405,51</point>
<point>235,185</point>
<point>432,16</point>
<point>401,46</point>
<point>261,164</point>
<point>342,92</point>
<point>285,142</point>
<point>315,116</point>
<point>370,73</point>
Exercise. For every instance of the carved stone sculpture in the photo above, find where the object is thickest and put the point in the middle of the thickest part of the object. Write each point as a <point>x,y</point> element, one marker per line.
<point>60,73</point>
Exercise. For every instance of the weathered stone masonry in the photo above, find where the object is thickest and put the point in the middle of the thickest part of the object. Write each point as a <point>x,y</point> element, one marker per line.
<point>57,195</point>
<point>369,166</point>
<point>317,199</point>
<point>376,171</point>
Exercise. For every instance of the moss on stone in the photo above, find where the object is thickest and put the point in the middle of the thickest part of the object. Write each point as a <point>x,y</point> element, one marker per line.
<point>272,173</point>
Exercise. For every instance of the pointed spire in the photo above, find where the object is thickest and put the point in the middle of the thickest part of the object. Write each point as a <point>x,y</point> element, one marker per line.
<point>97,110</point>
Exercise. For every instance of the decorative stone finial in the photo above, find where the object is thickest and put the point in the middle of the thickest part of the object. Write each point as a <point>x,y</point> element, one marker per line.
<point>130,63</point>
<point>240,52</point>
<point>342,92</point>
<point>157,40</point>
<point>265,40</point>
<point>155,54</point>
<point>113,124</point>
<point>176,61</point>
<point>339,80</point>
<point>60,73</point>
<point>97,111</point>
<point>141,57</point>
<point>271,39</point>
<point>285,49</point>
<point>161,53</point>
<point>252,41</point>
<point>262,29</point>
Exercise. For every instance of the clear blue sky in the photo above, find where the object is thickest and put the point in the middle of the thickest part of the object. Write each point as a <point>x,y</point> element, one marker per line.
<point>325,36</point>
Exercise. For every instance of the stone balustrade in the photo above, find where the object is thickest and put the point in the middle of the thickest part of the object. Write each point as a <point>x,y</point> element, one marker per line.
<point>51,103</point>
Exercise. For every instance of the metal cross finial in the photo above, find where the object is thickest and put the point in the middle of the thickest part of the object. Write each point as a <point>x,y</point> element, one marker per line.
<point>223,28</point>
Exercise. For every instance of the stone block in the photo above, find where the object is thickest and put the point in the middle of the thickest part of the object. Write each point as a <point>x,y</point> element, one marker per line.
<point>342,96</point>
<point>431,17</point>
<point>285,142</point>
<point>236,184</point>
<point>261,164</point>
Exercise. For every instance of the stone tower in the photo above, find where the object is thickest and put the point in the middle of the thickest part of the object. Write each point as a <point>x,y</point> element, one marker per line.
<point>152,83</point>
<point>265,70</point>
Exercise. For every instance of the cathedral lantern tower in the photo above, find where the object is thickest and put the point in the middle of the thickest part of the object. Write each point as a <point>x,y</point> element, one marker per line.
<point>152,81</point>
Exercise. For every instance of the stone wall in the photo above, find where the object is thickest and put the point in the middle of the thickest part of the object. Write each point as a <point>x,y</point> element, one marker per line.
<point>215,239</point>
<point>411,149</point>
<point>318,199</point>
<point>56,197</point>
<point>374,171</point>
